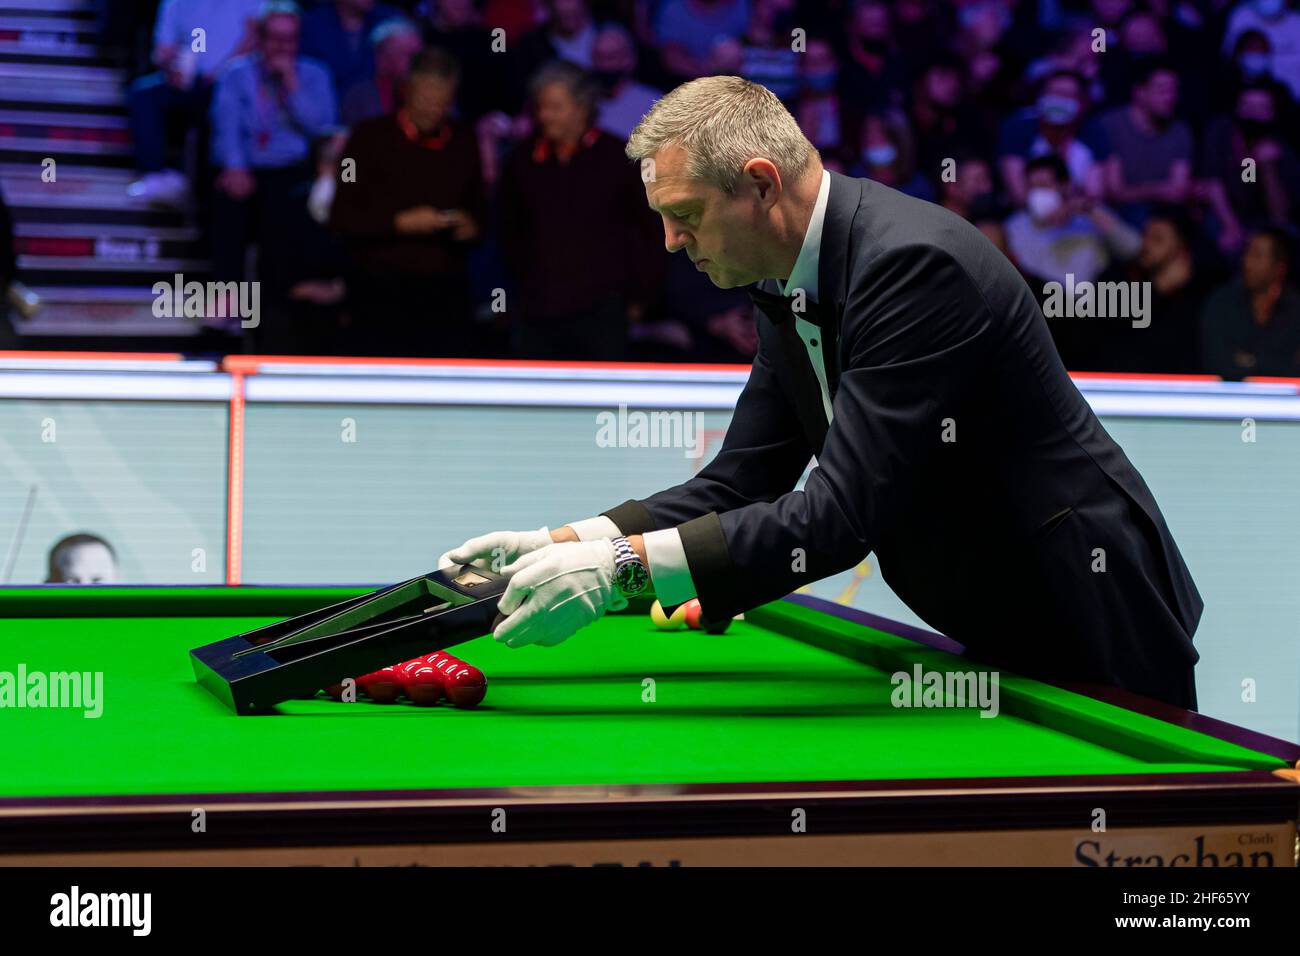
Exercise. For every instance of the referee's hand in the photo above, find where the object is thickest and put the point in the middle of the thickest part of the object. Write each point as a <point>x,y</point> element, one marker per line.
<point>496,549</point>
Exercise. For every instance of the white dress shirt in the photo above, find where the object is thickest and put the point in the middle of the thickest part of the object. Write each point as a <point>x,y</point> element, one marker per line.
<point>664,552</point>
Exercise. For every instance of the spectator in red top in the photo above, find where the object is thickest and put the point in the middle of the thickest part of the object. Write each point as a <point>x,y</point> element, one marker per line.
<point>416,205</point>
<point>577,238</point>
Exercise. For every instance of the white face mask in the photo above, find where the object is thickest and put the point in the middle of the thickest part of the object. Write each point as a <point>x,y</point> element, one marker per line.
<point>1042,203</point>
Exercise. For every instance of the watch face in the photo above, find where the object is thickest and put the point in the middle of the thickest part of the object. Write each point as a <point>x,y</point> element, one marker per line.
<point>632,577</point>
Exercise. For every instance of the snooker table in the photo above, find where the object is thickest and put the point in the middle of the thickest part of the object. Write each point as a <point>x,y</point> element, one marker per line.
<point>774,743</point>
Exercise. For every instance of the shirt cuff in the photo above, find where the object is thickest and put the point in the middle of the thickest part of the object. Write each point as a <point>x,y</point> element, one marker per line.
<point>593,529</point>
<point>668,568</point>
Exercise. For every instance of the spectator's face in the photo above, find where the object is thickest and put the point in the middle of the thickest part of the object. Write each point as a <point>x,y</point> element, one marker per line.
<point>569,16</point>
<point>819,57</point>
<point>1260,267</point>
<point>612,54</point>
<point>871,22</point>
<point>942,86</point>
<point>984,20</point>
<point>360,7</point>
<point>1160,243</point>
<point>393,56</point>
<point>1255,57</point>
<point>1255,112</point>
<point>720,233</point>
<point>559,113</point>
<point>1141,33</point>
<point>974,179</point>
<point>1044,194</point>
<point>429,99</point>
<point>1061,102</point>
<point>1159,95</point>
<point>87,564</point>
<point>280,38</point>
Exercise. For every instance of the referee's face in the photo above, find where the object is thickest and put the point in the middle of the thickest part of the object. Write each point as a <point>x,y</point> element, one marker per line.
<point>723,235</point>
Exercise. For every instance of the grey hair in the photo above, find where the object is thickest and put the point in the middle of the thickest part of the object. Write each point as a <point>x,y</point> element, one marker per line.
<point>723,122</point>
<point>574,78</point>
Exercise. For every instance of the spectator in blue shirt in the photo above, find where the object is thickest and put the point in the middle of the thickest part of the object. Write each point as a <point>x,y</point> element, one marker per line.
<point>338,35</point>
<point>181,89</point>
<point>269,109</point>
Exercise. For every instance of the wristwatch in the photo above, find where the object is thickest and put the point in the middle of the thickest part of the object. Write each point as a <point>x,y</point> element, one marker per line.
<point>630,573</point>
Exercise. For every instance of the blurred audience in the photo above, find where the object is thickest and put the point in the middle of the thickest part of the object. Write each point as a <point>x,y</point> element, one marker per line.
<point>1123,140</point>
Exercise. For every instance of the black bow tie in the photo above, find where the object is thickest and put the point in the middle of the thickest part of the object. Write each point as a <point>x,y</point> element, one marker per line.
<point>778,308</point>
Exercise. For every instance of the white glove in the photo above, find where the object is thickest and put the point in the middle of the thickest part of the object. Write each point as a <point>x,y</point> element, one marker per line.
<point>494,550</point>
<point>557,590</point>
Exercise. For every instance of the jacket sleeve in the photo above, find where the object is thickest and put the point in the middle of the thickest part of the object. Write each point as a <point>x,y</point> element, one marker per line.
<point>916,329</point>
<point>762,457</point>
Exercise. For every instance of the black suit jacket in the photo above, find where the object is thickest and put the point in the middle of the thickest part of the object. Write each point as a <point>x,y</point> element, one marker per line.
<point>961,453</point>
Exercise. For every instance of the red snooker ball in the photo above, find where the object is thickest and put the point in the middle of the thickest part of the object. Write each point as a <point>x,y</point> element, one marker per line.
<point>424,687</point>
<point>692,610</point>
<point>465,685</point>
<point>384,686</point>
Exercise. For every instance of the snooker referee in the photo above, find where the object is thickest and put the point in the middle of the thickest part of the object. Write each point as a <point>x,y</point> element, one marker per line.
<point>899,348</point>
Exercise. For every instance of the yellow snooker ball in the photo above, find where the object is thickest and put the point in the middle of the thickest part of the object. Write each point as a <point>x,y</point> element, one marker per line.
<point>666,623</point>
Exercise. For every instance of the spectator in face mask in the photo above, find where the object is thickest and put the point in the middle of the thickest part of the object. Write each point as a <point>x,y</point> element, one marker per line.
<point>1277,21</point>
<point>1056,238</point>
<point>623,101</point>
<point>1252,133</point>
<point>1252,65</point>
<point>886,155</point>
<point>1056,234</point>
<point>1056,124</point>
